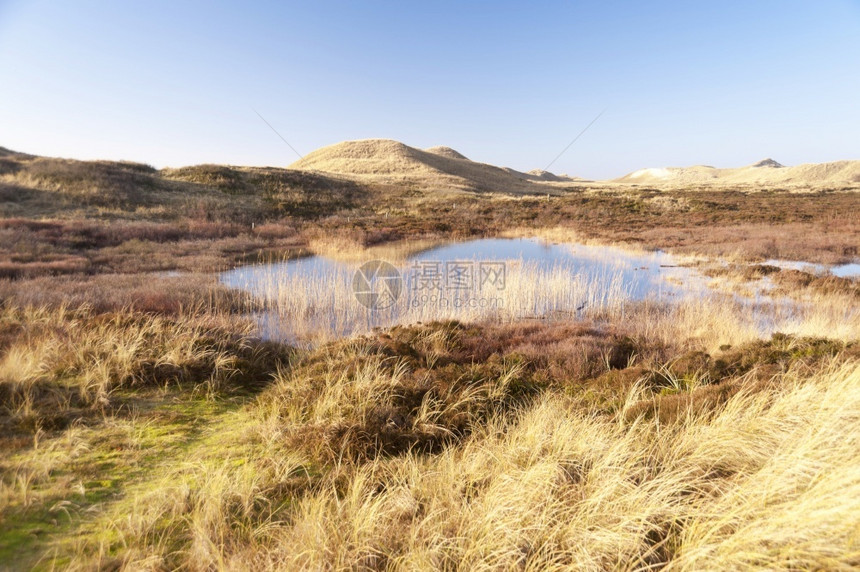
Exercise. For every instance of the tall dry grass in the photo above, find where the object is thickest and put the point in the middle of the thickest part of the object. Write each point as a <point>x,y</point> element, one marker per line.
<point>321,305</point>
<point>352,249</point>
<point>57,363</point>
<point>716,320</point>
<point>767,481</point>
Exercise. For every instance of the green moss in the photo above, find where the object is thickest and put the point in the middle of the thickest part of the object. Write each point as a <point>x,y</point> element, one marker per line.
<point>117,461</point>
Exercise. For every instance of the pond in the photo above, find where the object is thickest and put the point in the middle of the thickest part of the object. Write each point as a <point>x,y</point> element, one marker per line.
<point>644,274</point>
<point>849,270</point>
<point>486,279</point>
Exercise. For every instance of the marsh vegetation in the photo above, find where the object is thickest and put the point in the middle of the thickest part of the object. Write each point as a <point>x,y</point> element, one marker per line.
<point>146,424</point>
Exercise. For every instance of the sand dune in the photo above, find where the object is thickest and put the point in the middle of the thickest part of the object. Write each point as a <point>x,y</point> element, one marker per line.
<point>444,168</point>
<point>446,152</point>
<point>551,177</point>
<point>765,172</point>
<point>391,161</point>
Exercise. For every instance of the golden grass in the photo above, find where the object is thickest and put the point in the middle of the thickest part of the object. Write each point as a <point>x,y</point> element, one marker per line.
<point>323,306</point>
<point>564,235</point>
<point>350,249</point>
<point>58,364</point>
<point>610,435</point>
<point>767,481</point>
<point>723,319</point>
<point>764,483</point>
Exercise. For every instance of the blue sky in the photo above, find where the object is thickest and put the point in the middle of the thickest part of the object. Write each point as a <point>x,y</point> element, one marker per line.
<point>510,83</point>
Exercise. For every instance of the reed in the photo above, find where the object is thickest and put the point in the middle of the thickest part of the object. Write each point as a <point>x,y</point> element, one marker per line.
<point>321,304</point>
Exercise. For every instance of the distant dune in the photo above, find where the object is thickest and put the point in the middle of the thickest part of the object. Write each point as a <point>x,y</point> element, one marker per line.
<point>446,152</point>
<point>355,164</point>
<point>551,177</point>
<point>387,160</point>
<point>765,172</point>
<point>441,167</point>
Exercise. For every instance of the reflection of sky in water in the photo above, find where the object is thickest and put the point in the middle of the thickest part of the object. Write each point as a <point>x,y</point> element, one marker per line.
<point>255,278</point>
<point>850,270</point>
<point>643,274</point>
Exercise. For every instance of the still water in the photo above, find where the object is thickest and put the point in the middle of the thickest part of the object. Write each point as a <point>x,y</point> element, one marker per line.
<point>486,279</point>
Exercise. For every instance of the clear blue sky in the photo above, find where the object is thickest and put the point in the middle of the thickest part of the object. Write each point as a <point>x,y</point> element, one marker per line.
<point>511,83</point>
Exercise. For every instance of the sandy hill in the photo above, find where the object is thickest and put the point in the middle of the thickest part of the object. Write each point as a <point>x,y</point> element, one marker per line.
<point>446,152</point>
<point>542,175</point>
<point>765,172</point>
<point>437,167</point>
<point>768,163</point>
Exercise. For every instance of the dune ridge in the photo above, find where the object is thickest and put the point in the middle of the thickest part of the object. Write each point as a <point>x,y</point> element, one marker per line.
<point>389,160</point>
<point>764,172</point>
<point>443,167</point>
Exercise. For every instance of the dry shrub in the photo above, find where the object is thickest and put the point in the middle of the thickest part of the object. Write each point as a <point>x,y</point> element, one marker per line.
<point>793,282</point>
<point>65,265</point>
<point>274,230</point>
<point>767,482</point>
<point>56,361</point>
<point>415,390</point>
<point>160,294</point>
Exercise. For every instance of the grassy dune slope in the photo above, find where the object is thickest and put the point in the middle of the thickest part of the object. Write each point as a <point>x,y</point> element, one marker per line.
<point>40,186</point>
<point>438,167</point>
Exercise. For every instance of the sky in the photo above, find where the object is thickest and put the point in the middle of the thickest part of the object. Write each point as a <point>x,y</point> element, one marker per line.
<point>174,83</point>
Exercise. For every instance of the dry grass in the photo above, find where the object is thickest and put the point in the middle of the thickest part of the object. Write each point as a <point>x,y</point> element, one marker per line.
<point>762,479</point>
<point>146,427</point>
<point>41,186</point>
<point>317,306</point>
<point>534,445</point>
<point>57,364</point>
<point>159,293</point>
<point>767,482</point>
<point>345,248</point>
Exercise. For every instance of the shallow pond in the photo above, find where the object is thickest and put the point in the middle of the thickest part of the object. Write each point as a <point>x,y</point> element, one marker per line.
<point>849,270</point>
<point>478,279</point>
<point>487,279</point>
<point>643,273</point>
